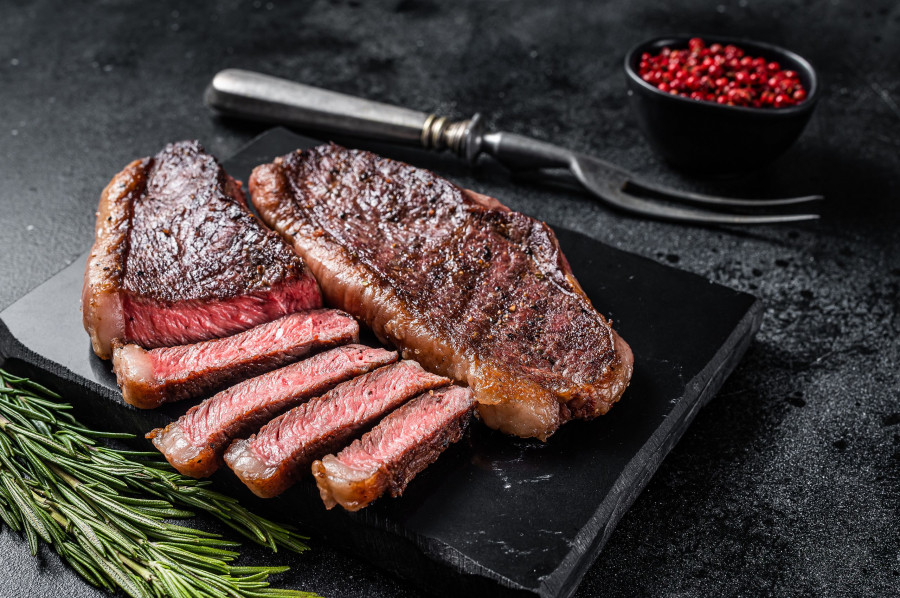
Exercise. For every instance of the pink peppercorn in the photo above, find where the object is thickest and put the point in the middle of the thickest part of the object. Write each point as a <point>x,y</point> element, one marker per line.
<point>725,75</point>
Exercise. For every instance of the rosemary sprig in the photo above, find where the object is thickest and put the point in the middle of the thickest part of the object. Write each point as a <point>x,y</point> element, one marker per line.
<point>105,510</point>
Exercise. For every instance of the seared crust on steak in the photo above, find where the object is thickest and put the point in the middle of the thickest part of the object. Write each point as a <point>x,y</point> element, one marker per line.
<point>101,301</point>
<point>178,257</point>
<point>454,279</point>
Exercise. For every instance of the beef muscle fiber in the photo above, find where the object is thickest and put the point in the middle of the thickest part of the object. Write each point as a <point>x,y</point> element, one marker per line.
<point>195,443</point>
<point>150,378</point>
<point>391,454</point>
<point>274,458</point>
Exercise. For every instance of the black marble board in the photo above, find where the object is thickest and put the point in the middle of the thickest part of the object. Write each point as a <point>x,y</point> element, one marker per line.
<point>494,513</point>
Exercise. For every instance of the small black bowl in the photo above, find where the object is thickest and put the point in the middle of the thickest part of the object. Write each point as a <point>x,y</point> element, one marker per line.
<point>710,138</point>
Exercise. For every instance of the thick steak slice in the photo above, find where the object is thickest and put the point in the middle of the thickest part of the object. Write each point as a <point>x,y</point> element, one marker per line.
<point>454,279</point>
<point>166,374</point>
<point>195,443</point>
<point>390,455</point>
<point>273,459</point>
<point>178,257</point>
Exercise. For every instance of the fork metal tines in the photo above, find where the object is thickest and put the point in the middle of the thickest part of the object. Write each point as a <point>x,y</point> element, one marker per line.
<point>623,190</point>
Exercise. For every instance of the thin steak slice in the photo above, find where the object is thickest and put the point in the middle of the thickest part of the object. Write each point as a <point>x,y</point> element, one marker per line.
<point>195,443</point>
<point>167,374</point>
<point>178,257</point>
<point>390,455</point>
<point>273,459</point>
<point>454,279</point>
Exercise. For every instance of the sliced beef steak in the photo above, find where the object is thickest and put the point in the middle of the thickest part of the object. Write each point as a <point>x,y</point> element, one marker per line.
<point>178,257</point>
<point>393,452</point>
<point>457,281</point>
<point>195,443</point>
<point>273,459</point>
<point>163,375</point>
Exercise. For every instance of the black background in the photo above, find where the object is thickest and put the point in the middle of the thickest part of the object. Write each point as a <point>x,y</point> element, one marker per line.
<point>789,482</point>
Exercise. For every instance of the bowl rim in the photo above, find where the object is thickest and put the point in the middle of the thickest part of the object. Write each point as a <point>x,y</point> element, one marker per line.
<point>743,43</point>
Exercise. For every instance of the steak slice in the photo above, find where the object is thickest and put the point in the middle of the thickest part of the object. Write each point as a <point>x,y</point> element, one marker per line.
<point>454,279</point>
<point>195,443</point>
<point>390,455</point>
<point>273,459</point>
<point>178,257</point>
<point>167,374</point>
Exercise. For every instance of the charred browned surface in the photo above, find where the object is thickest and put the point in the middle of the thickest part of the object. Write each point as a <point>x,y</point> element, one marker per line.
<point>192,237</point>
<point>464,285</point>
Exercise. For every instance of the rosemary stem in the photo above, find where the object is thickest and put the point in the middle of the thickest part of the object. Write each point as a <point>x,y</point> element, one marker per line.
<point>146,574</point>
<point>72,482</point>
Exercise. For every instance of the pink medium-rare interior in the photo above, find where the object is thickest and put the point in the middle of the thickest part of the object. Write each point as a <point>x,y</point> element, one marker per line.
<point>273,389</point>
<point>195,443</point>
<point>286,334</point>
<point>350,404</point>
<point>151,324</point>
<point>405,427</point>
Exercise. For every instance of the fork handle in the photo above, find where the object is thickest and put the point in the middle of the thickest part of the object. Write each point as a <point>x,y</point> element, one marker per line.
<point>518,152</point>
<point>262,97</point>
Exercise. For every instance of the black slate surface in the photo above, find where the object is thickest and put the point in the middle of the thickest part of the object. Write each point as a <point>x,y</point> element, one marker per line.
<point>487,517</point>
<point>788,482</point>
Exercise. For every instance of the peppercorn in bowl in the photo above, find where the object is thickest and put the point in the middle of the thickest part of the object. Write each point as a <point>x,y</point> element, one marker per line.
<point>717,105</point>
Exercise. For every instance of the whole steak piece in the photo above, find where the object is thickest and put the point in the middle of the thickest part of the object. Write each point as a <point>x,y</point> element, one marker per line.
<point>179,258</point>
<point>457,281</point>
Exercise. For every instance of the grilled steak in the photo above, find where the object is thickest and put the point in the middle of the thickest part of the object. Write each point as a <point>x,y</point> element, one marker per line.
<point>179,258</point>
<point>274,458</point>
<point>195,443</point>
<point>150,378</point>
<point>393,452</point>
<point>454,279</point>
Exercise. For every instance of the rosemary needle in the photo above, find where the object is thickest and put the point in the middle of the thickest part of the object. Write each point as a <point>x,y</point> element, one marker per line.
<point>105,510</point>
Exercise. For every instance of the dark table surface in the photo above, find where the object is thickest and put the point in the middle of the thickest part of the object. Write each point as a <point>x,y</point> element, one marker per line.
<point>788,483</point>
